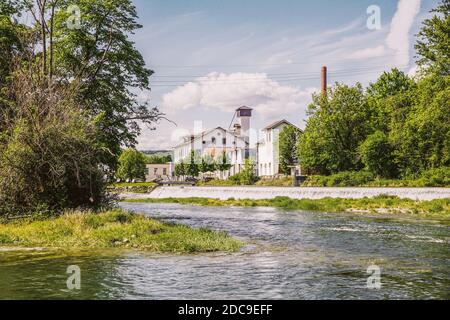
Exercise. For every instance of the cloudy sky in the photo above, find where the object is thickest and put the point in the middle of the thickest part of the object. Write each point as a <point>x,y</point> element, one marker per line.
<point>213,56</point>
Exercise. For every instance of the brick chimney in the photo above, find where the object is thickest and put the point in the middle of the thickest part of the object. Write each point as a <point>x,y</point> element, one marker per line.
<point>324,81</point>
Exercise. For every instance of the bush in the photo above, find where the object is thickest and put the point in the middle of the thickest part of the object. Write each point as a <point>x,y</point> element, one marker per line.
<point>49,154</point>
<point>341,179</point>
<point>376,155</point>
<point>439,177</point>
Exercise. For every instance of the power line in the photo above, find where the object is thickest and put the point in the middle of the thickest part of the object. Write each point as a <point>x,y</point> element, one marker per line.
<point>273,75</point>
<point>343,74</point>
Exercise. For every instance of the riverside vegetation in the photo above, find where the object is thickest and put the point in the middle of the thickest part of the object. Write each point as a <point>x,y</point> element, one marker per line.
<point>439,177</point>
<point>113,229</point>
<point>381,204</point>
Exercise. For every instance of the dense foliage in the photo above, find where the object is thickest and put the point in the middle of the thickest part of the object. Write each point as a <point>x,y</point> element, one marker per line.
<point>132,165</point>
<point>158,159</point>
<point>68,100</point>
<point>288,142</point>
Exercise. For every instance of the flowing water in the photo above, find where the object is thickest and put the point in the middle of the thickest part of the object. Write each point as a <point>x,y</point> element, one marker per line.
<point>288,255</point>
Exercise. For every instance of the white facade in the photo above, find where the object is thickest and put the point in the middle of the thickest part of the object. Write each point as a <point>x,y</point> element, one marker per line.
<point>214,143</point>
<point>236,146</point>
<point>268,156</point>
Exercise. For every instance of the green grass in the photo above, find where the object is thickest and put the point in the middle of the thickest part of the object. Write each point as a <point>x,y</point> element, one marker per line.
<point>381,204</point>
<point>114,229</point>
<point>280,182</point>
<point>130,184</point>
<point>127,187</point>
<point>219,183</point>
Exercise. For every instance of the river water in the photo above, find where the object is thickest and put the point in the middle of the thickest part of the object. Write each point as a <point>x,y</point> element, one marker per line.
<point>288,255</point>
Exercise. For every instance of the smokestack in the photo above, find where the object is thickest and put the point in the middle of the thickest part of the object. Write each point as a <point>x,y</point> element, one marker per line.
<point>324,80</point>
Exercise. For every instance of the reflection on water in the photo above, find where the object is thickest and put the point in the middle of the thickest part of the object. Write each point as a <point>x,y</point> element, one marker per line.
<point>289,255</point>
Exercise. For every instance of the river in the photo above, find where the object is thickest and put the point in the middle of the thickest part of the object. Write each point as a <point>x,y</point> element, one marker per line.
<point>288,255</point>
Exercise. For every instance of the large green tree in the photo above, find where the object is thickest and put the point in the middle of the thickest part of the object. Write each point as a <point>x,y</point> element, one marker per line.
<point>85,45</point>
<point>433,44</point>
<point>132,165</point>
<point>335,128</point>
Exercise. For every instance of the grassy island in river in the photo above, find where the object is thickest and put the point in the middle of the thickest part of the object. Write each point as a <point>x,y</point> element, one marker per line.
<point>113,229</point>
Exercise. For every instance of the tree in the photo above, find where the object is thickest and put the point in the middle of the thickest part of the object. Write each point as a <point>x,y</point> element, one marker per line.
<point>422,140</point>
<point>96,60</point>
<point>248,174</point>
<point>207,164</point>
<point>223,163</point>
<point>433,44</point>
<point>155,159</point>
<point>288,142</point>
<point>334,130</point>
<point>49,152</point>
<point>180,169</point>
<point>131,165</point>
<point>192,169</point>
<point>376,154</point>
<point>383,96</point>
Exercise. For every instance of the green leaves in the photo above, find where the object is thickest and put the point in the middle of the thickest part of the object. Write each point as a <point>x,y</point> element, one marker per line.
<point>334,131</point>
<point>433,43</point>
<point>288,142</point>
<point>132,165</point>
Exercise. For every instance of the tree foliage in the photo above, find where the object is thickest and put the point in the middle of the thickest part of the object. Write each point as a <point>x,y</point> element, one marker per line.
<point>132,165</point>
<point>335,129</point>
<point>68,100</point>
<point>433,44</point>
<point>288,143</point>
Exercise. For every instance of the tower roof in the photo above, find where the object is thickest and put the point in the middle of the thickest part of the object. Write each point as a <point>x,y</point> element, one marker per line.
<point>244,108</point>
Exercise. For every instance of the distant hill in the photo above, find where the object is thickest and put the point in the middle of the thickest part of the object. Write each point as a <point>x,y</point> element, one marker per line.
<point>157,152</point>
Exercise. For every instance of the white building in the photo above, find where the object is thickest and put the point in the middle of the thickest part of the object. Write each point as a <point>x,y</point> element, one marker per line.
<point>236,145</point>
<point>268,156</point>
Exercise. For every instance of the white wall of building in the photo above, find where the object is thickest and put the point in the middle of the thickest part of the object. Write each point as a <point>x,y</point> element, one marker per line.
<point>268,152</point>
<point>214,143</point>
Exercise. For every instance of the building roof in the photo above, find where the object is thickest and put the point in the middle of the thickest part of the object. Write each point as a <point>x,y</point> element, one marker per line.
<point>244,108</point>
<point>203,133</point>
<point>277,124</point>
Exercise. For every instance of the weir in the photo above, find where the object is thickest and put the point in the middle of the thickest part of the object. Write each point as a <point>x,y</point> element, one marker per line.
<point>256,193</point>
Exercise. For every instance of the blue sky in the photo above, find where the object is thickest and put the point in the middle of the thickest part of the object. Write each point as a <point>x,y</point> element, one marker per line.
<point>212,56</point>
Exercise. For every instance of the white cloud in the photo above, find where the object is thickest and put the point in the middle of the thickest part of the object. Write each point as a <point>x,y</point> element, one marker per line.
<point>368,53</point>
<point>226,92</point>
<point>401,24</point>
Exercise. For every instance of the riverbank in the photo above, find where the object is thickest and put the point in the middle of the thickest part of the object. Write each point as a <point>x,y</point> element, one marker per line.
<point>379,205</point>
<point>114,229</point>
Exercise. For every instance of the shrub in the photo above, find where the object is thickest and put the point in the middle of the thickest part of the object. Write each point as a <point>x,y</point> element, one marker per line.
<point>376,155</point>
<point>341,179</point>
<point>50,157</point>
<point>436,177</point>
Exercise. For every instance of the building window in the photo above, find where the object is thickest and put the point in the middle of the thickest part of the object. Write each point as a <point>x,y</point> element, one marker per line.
<point>224,141</point>
<point>204,142</point>
<point>165,171</point>
<point>213,140</point>
<point>155,171</point>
